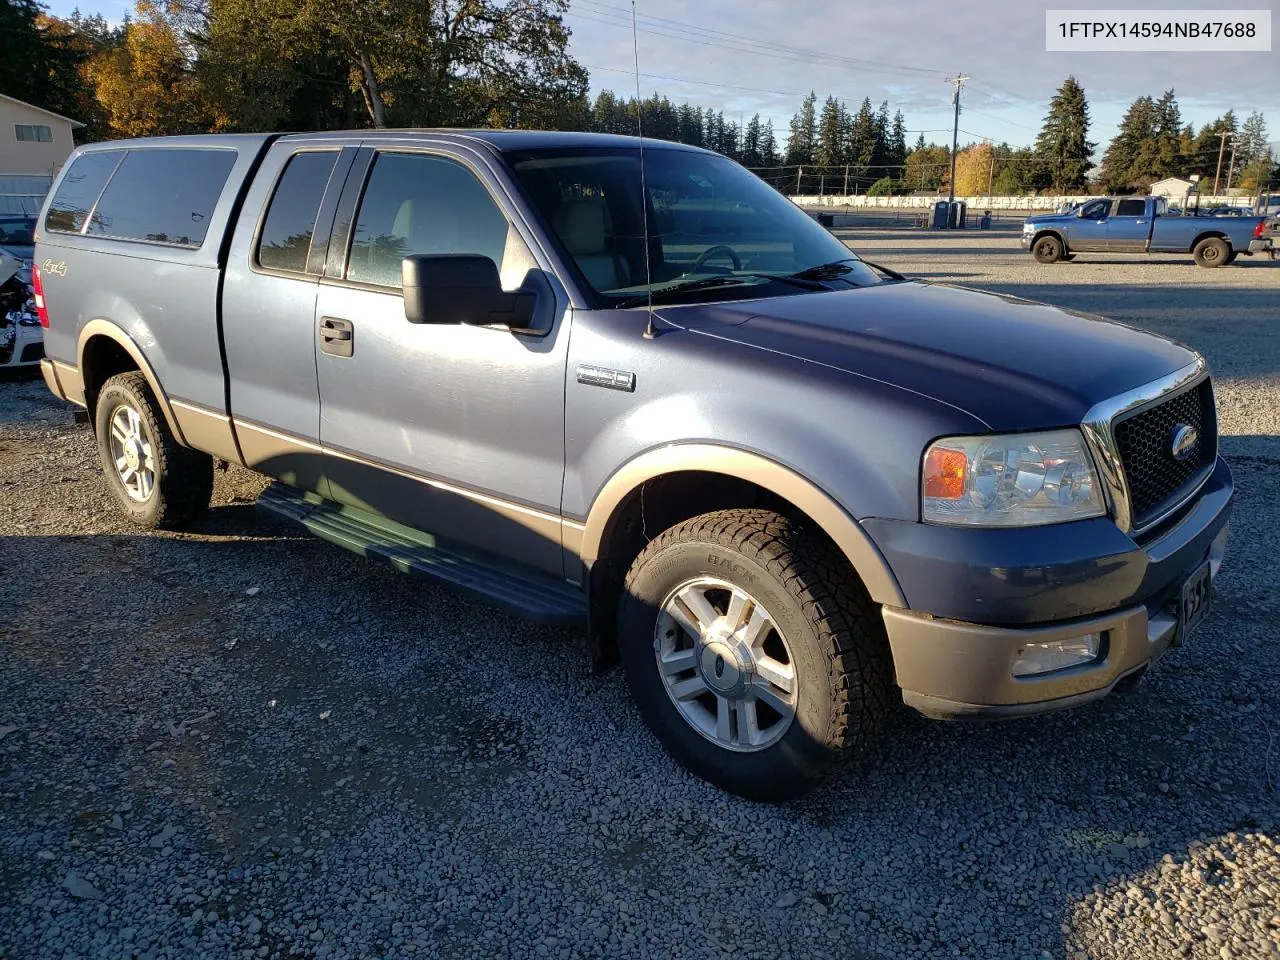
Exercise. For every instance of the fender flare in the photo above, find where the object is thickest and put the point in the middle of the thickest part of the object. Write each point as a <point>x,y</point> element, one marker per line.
<point>1052,232</point>
<point>842,528</point>
<point>1209,234</point>
<point>105,328</point>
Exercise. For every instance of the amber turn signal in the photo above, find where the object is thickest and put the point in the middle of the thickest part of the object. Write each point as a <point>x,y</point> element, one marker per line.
<point>944,473</point>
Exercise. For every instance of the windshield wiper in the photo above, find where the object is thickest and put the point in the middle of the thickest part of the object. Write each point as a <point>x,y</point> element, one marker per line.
<point>697,283</point>
<point>825,271</point>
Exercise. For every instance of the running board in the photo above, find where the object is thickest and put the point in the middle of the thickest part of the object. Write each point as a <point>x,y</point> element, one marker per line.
<point>519,590</point>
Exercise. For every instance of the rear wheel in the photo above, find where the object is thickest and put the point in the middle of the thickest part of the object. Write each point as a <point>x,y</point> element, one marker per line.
<point>1047,249</point>
<point>1212,252</point>
<point>157,482</point>
<point>752,653</point>
<point>1231,258</point>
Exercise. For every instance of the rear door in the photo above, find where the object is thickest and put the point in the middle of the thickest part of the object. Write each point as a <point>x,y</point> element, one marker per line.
<point>453,429</point>
<point>268,308</point>
<point>1129,226</point>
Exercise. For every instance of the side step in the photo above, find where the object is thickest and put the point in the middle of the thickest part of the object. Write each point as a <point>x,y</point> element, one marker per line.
<point>526,593</point>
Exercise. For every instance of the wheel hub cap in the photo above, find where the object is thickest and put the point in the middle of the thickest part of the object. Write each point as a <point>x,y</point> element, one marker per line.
<point>725,665</point>
<point>723,668</point>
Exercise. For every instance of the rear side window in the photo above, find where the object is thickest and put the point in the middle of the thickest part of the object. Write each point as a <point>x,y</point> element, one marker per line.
<point>291,217</point>
<point>1131,208</point>
<point>163,196</point>
<point>413,204</point>
<point>79,189</point>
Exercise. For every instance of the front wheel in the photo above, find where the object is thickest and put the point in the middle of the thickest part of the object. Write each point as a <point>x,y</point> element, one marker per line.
<point>1212,252</point>
<point>1047,249</point>
<point>754,655</point>
<point>157,482</point>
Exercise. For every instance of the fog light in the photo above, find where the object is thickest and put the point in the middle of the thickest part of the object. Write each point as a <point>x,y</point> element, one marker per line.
<point>1038,658</point>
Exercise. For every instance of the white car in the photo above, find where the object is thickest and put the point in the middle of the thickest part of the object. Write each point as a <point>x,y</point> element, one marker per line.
<point>21,337</point>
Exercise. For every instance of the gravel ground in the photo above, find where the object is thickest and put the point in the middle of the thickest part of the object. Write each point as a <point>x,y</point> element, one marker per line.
<point>239,742</point>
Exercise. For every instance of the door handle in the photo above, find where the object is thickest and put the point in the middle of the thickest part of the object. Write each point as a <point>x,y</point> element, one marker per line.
<point>336,336</point>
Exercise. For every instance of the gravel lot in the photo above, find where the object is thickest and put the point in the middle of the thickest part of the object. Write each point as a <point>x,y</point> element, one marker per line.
<point>243,743</point>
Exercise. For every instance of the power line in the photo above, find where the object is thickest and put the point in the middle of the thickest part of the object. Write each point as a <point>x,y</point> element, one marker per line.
<point>597,12</point>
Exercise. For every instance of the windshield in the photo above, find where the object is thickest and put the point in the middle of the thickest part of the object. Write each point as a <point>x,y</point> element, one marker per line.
<point>19,231</point>
<point>708,218</point>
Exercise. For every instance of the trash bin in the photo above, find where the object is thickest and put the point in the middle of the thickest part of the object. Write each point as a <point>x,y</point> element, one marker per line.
<point>827,220</point>
<point>985,222</point>
<point>958,208</point>
<point>941,217</point>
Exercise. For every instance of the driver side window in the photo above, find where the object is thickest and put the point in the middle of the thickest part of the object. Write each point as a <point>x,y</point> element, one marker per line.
<point>1096,209</point>
<point>418,203</point>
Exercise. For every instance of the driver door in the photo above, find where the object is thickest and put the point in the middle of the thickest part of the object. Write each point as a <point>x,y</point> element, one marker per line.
<point>1087,233</point>
<point>453,429</point>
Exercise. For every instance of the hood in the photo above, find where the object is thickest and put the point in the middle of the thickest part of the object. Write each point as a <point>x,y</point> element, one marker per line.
<point>1051,218</point>
<point>1013,364</point>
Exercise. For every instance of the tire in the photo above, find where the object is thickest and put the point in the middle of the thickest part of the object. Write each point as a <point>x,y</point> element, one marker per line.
<point>1047,249</point>
<point>1212,252</point>
<point>129,425</point>
<point>1231,258</point>
<point>823,628</point>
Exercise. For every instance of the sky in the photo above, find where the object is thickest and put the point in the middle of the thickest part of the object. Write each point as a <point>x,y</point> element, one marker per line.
<point>749,56</point>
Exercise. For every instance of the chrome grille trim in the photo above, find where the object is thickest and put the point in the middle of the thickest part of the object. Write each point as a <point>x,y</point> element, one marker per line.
<point>1098,433</point>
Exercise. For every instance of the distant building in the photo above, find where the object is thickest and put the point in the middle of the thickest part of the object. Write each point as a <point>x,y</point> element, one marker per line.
<point>34,144</point>
<point>1175,188</point>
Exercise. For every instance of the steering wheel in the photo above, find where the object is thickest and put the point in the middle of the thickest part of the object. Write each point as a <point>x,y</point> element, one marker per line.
<point>717,250</point>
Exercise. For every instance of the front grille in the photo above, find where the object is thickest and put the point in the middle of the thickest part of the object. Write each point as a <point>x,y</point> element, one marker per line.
<point>32,353</point>
<point>1156,479</point>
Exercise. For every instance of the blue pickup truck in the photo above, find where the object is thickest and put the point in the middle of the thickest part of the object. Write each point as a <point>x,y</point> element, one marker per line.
<point>1141,225</point>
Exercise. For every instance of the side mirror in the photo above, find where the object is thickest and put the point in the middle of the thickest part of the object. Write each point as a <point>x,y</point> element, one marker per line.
<point>461,288</point>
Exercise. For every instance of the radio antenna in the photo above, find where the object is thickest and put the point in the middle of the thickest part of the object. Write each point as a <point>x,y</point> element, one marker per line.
<point>644,192</point>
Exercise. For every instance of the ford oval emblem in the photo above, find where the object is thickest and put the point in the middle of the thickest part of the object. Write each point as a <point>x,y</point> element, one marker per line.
<point>1183,440</point>
<point>719,667</point>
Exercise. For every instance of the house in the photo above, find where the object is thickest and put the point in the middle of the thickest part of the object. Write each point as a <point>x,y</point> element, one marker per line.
<point>34,144</point>
<point>1174,188</point>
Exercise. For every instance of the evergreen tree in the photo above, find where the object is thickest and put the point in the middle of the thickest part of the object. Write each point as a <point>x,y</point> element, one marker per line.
<point>862,142</point>
<point>751,143</point>
<point>880,150</point>
<point>1204,154</point>
<point>804,132</point>
<point>768,146</point>
<point>896,152</point>
<point>830,151</point>
<point>1063,145</point>
<point>1254,158</point>
<point>1120,164</point>
<point>1168,130</point>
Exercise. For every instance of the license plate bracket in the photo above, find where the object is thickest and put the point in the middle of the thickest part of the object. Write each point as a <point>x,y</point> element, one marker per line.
<point>1194,600</point>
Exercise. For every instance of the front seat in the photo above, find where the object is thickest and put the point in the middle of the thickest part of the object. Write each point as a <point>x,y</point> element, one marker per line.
<point>582,225</point>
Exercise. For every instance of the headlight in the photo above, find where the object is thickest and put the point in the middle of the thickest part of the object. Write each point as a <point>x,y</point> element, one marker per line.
<point>1028,228</point>
<point>1019,480</point>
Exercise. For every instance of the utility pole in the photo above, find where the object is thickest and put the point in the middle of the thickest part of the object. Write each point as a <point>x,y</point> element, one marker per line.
<point>1231,167</point>
<point>955,135</point>
<point>1222,144</point>
<point>991,173</point>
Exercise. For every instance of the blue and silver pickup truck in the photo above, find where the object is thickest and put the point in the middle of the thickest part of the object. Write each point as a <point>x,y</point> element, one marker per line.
<point>1141,225</point>
<point>644,393</point>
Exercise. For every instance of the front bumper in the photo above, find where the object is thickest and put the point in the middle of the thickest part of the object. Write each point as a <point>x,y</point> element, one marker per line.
<point>988,593</point>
